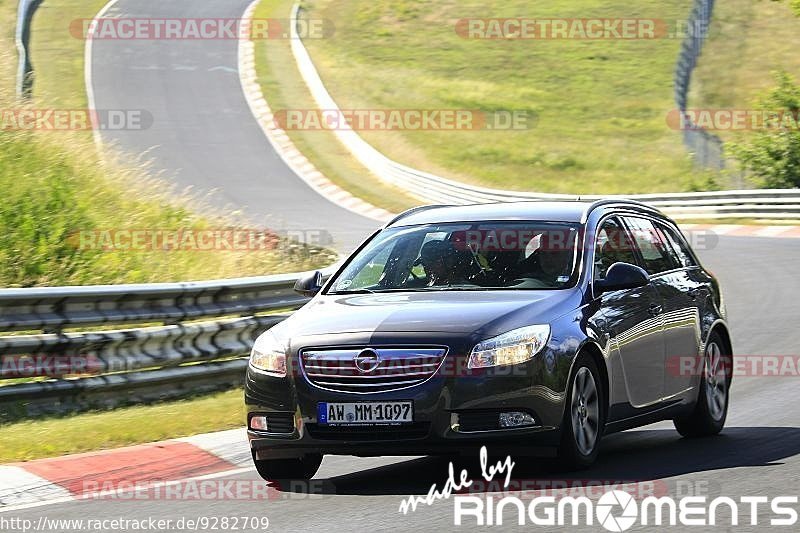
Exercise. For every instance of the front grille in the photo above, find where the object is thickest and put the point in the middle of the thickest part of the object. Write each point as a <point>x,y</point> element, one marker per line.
<point>365,370</point>
<point>280,422</point>
<point>417,430</point>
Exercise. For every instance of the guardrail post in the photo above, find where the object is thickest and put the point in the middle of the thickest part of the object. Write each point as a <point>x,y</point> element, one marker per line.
<point>706,148</point>
<point>25,10</point>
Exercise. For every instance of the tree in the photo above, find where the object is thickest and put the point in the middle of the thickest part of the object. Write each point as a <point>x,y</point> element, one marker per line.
<point>771,155</point>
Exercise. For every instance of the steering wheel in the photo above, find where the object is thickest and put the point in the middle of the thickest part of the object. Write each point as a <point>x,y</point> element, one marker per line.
<point>411,270</point>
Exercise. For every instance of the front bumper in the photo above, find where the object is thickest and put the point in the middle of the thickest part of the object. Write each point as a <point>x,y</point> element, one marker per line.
<point>440,404</point>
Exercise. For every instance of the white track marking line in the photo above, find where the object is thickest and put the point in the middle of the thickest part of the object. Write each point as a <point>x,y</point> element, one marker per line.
<point>87,77</point>
<point>20,487</point>
<point>281,142</point>
<point>724,229</point>
<point>773,231</point>
<point>228,445</point>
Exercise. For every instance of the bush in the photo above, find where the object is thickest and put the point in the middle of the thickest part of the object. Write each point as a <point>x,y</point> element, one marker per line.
<point>771,155</point>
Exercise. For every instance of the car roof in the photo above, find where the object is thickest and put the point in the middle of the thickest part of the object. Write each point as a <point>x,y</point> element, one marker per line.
<point>575,211</point>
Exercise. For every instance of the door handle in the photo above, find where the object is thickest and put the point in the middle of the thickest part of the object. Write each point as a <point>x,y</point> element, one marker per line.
<point>655,309</point>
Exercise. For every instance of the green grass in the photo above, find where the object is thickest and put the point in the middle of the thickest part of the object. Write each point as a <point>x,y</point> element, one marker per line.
<point>748,42</point>
<point>8,56</point>
<point>58,56</point>
<point>55,185</point>
<point>283,88</point>
<point>601,104</point>
<point>24,441</point>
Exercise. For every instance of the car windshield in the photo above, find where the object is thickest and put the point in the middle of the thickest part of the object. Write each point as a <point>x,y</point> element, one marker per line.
<point>464,256</point>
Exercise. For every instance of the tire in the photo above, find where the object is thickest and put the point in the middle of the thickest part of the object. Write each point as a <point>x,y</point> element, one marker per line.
<point>277,469</point>
<point>711,409</point>
<point>584,421</point>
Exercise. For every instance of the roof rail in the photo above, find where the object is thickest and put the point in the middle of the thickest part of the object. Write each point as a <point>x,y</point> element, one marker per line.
<point>413,210</point>
<point>610,201</point>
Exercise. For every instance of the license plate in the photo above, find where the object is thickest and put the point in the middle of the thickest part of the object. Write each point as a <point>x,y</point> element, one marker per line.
<point>365,413</point>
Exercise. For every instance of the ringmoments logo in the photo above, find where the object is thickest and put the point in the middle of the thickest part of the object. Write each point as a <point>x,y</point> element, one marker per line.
<point>618,510</point>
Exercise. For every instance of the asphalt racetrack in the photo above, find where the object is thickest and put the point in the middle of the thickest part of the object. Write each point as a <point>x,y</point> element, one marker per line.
<point>204,136</point>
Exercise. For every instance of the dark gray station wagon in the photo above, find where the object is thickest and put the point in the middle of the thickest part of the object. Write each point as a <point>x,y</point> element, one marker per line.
<point>530,328</point>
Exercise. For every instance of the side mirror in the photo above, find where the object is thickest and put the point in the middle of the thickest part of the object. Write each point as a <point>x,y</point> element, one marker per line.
<point>622,276</point>
<point>309,285</point>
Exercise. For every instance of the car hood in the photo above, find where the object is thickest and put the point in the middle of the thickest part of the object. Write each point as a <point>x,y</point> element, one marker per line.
<point>490,312</point>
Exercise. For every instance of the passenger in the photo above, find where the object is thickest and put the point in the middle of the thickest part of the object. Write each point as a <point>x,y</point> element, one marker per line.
<point>550,262</point>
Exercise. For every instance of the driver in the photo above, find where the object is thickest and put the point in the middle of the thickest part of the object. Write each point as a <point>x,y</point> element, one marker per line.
<point>436,258</point>
<point>441,263</point>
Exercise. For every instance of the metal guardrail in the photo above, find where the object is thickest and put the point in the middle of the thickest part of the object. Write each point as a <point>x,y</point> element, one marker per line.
<point>25,10</point>
<point>761,203</point>
<point>207,329</point>
<point>706,148</point>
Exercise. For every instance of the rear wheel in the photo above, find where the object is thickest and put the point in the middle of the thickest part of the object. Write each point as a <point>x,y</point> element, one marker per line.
<point>583,422</point>
<point>301,468</point>
<point>711,409</point>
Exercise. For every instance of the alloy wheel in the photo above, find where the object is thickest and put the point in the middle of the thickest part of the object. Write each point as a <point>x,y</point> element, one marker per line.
<point>585,411</point>
<point>716,381</point>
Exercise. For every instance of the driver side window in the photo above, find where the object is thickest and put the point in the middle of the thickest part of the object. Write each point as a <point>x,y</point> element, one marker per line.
<point>613,245</point>
<point>372,273</point>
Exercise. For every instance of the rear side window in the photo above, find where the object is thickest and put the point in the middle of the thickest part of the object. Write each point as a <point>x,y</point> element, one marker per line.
<point>683,257</point>
<point>657,257</point>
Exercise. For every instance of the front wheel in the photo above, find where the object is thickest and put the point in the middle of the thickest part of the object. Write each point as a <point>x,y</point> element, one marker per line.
<point>583,422</point>
<point>711,409</point>
<point>301,468</point>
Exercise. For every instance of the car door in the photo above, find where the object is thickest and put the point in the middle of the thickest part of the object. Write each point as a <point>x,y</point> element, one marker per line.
<point>678,315</point>
<point>632,319</point>
<point>683,294</point>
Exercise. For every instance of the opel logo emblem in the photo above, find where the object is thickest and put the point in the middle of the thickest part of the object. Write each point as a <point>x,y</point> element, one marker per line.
<point>367,361</point>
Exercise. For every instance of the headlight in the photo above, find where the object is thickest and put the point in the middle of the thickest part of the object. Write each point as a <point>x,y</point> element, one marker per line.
<point>511,348</point>
<point>269,355</point>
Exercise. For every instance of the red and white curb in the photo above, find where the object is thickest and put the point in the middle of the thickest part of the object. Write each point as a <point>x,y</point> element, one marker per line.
<point>87,475</point>
<point>284,146</point>
<point>733,230</point>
